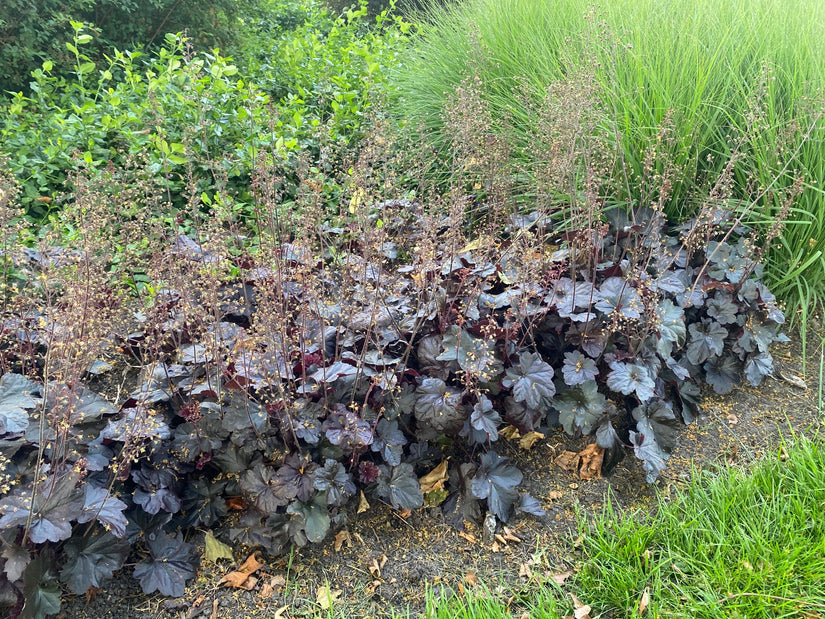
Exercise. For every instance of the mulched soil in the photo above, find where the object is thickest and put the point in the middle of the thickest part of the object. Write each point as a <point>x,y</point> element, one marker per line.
<point>390,559</point>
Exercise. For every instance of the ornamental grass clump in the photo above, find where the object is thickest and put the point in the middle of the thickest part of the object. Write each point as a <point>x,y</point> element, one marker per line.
<point>733,81</point>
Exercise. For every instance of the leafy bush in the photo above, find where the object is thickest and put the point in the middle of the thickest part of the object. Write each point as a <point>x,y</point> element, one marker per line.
<point>198,124</point>
<point>728,78</point>
<point>32,32</point>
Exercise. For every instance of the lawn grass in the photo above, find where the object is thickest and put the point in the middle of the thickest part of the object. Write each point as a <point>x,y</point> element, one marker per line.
<point>736,543</point>
<point>737,75</point>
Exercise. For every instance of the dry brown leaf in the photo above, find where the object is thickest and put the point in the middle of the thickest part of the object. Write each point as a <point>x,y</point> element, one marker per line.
<point>238,579</point>
<point>215,604</point>
<point>554,495</point>
<point>326,597</point>
<point>235,503</point>
<point>528,440</point>
<point>560,577</point>
<point>644,602</point>
<point>510,433</point>
<point>496,547</point>
<point>732,419</point>
<point>375,569</point>
<point>524,571</point>
<point>405,513</point>
<point>279,614</point>
<point>269,587</point>
<point>467,536</point>
<point>580,611</point>
<point>372,587</point>
<point>471,579</point>
<point>362,504</point>
<point>568,460</point>
<point>341,538</point>
<point>590,465</point>
<point>509,535</point>
<point>435,479</point>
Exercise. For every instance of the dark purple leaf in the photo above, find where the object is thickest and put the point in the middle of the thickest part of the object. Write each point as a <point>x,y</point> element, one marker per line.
<point>627,378</point>
<point>18,395</point>
<point>670,326</point>
<point>169,565</point>
<point>439,406</point>
<point>531,381</point>
<point>707,339</point>
<point>485,419</point>
<point>298,472</point>
<point>578,369</point>
<point>617,295</point>
<point>530,505</point>
<point>526,419</point>
<point>722,373</point>
<point>648,451</point>
<point>107,509</point>
<point>92,559</point>
<point>347,430</point>
<point>496,480</point>
<point>476,356</point>
<point>658,417</point>
<point>757,367</point>
<point>401,488</point>
<point>265,489</point>
<point>315,516</point>
<point>335,482</point>
<point>389,441</point>
<point>580,407</point>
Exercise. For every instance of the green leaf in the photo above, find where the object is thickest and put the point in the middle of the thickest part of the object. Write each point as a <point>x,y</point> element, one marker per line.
<point>316,517</point>
<point>84,38</point>
<point>216,549</point>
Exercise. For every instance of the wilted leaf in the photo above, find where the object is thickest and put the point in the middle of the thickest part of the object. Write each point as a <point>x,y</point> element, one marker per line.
<point>590,466</point>
<point>238,578</point>
<point>528,440</point>
<point>435,479</point>
<point>326,597</point>
<point>216,549</point>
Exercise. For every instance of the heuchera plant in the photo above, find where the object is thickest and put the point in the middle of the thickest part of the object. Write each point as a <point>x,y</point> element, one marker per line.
<point>613,339</point>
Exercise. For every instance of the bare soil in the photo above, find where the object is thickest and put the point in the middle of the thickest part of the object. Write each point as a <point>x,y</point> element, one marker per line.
<point>389,559</point>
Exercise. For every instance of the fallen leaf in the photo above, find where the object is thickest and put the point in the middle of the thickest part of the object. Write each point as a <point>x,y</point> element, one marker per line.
<point>238,579</point>
<point>435,479</point>
<point>279,614</point>
<point>375,569</point>
<point>509,536</point>
<point>568,461</point>
<point>362,504</point>
<point>644,602</point>
<point>404,514</point>
<point>216,549</point>
<point>793,379</point>
<point>496,547</point>
<point>326,597</point>
<point>467,536</point>
<point>590,466</point>
<point>525,571</point>
<point>528,440</point>
<point>560,577</point>
<point>732,419</point>
<point>471,579</point>
<point>341,538</point>
<point>510,433</point>
<point>236,503</point>
<point>268,588</point>
<point>554,495</point>
<point>372,587</point>
<point>580,611</point>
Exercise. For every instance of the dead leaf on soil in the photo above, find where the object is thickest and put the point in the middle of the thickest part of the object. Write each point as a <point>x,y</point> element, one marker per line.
<point>326,597</point>
<point>591,461</point>
<point>471,579</point>
<point>372,588</point>
<point>793,379</point>
<point>240,579</point>
<point>580,611</point>
<point>376,565</point>
<point>528,440</point>
<point>568,461</point>
<point>216,549</point>
<point>269,587</point>
<point>525,571</point>
<point>732,419</point>
<point>279,614</point>
<point>435,479</point>
<point>341,538</point>
<point>510,433</point>
<point>467,536</point>
<point>362,504</point>
<point>560,577</point>
<point>644,602</point>
<point>554,495</point>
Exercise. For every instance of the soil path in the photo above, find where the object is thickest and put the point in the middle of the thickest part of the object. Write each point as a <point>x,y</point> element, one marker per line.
<point>386,560</point>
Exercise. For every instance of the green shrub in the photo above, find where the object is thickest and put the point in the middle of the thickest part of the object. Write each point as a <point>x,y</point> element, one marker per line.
<point>31,32</point>
<point>725,80</point>
<point>193,121</point>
